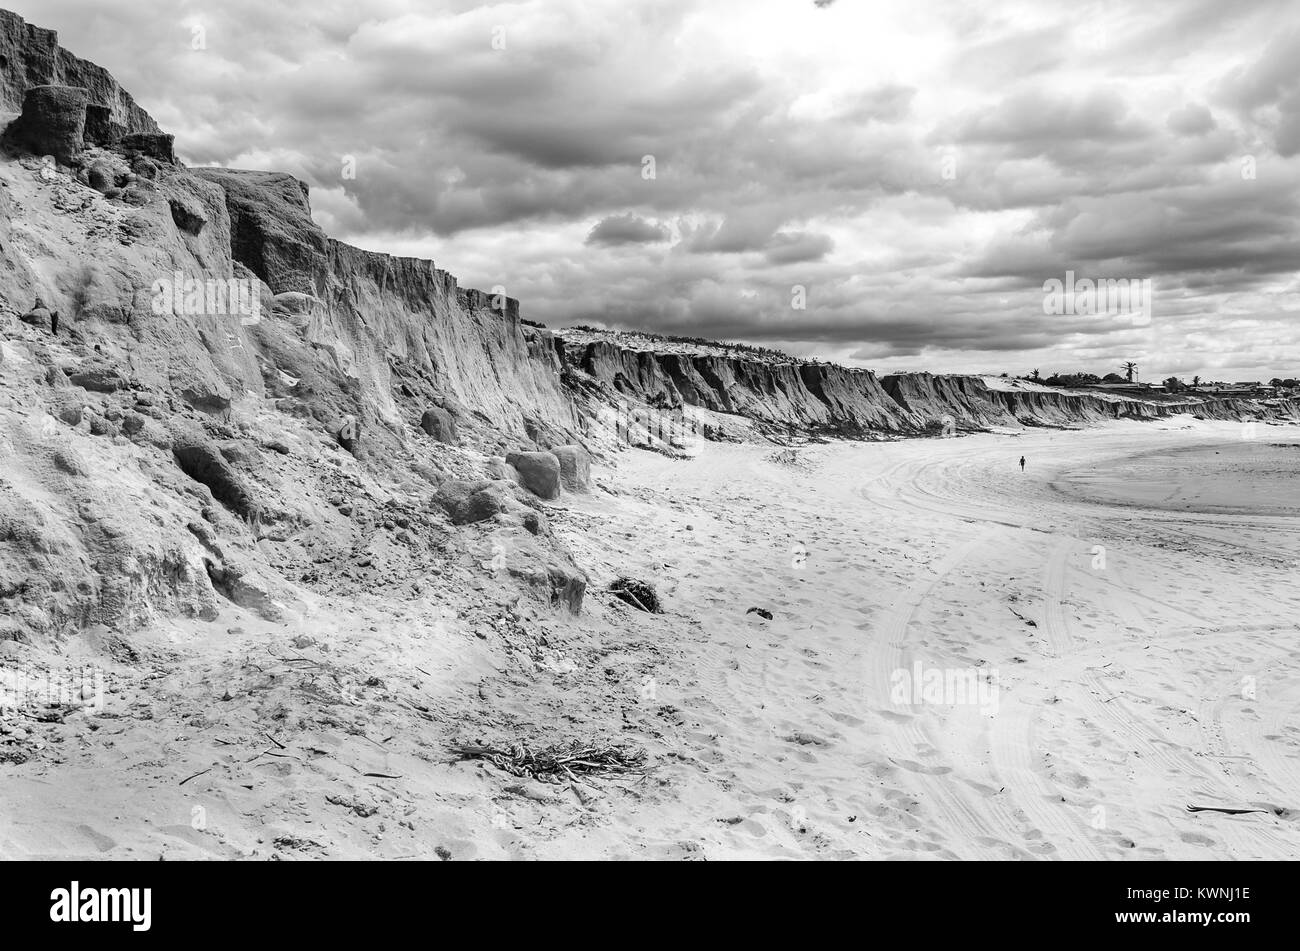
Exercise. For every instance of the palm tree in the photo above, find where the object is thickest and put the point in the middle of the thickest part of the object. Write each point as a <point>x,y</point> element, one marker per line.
<point>1196,381</point>
<point>1035,376</point>
<point>1130,369</point>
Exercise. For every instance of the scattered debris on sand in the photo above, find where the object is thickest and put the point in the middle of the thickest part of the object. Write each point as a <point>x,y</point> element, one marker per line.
<point>640,594</point>
<point>555,764</point>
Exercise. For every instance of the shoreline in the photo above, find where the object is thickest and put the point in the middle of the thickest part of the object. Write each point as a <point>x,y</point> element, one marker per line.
<point>1189,473</point>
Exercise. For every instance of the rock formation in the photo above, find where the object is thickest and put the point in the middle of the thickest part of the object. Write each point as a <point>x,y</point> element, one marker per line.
<point>31,56</point>
<point>53,122</point>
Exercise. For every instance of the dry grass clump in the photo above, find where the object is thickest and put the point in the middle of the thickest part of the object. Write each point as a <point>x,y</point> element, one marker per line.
<point>556,763</point>
<point>639,594</point>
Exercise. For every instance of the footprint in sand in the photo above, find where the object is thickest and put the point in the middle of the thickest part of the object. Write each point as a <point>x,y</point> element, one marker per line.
<point>847,719</point>
<point>915,767</point>
<point>101,841</point>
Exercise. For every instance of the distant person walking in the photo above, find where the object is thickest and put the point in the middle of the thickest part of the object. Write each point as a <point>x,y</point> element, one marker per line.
<point>1022,463</point>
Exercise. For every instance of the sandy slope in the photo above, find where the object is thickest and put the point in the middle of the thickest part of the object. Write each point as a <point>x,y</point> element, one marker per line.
<point>1120,696</point>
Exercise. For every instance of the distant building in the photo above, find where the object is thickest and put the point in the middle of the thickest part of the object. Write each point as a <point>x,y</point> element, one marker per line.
<point>1244,390</point>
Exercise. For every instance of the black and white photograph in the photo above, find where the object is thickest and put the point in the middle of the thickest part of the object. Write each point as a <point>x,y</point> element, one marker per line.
<point>650,431</point>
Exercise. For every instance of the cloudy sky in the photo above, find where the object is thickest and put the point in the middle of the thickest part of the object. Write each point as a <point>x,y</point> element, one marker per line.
<point>918,167</point>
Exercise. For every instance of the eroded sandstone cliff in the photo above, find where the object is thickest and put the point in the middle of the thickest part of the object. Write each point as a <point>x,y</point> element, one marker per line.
<point>823,399</point>
<point>205,400</point>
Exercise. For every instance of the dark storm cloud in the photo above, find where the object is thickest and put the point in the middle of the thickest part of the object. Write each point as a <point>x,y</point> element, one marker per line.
<point>627,229</point>
<point>794,247</point>
<point>1036,123</point>
<point>1268,91</point>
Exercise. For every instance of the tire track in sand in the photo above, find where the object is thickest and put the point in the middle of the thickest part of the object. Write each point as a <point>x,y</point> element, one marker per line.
<point>1012,735</point>
<point>991,829</point>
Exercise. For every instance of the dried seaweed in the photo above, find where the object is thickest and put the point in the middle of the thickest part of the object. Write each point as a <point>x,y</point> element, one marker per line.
<point>557,763</point>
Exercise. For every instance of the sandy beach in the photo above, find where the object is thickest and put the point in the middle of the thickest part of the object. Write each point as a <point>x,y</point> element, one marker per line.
<point>1132,682</point>
<point>963,661</point>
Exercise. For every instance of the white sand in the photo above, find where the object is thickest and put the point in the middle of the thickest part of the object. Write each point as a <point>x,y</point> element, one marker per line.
<point>1124,688</point>
<point>1121,705</point>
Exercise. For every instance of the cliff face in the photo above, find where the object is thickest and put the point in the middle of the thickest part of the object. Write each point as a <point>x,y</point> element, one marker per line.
<point>783,398</point>
<point>402,328</point>
<point>812,398</point>
<point>1068,409</point>
<point>31,56</point>
<point>960,402</point>
<point>205,401</point>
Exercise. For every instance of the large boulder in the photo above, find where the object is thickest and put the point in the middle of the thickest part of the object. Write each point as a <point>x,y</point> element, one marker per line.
<point>466,501</point>
<point>99,378</point>
<point>145,168</point>
<point>440,425</point>
<point>100,177</point>
<point>188,214</point>
<point>160,146</point>
<point>53,122</point>
<point>575,468</point>
<point>539,472</point>
<point>548,571</point>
